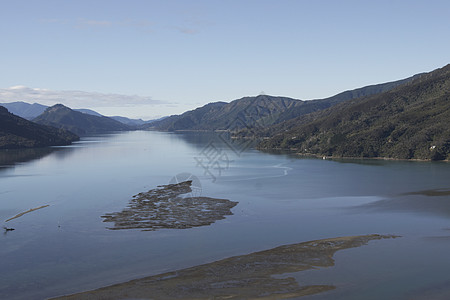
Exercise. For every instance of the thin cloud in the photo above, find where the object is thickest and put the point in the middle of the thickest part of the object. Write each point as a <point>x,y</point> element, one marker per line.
<point>192,21</point>
<point>188,26</point>
<point>53,21</point>
<point>142,25</point>
<point>187,30</point>
<point>95,23</point>
<point>74,99</point>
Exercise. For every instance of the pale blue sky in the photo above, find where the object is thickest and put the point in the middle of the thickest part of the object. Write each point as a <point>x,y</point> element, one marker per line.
<point>151,58</point>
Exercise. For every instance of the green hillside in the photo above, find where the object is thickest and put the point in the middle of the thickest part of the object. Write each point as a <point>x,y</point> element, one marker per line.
<point>408,122</point>
<point>257,113</point>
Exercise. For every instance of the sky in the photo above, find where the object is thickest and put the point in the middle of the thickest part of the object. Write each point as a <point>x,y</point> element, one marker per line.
<point>151,58</point>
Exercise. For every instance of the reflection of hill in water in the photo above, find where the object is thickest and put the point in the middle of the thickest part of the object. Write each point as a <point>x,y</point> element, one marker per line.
<point>9,158</point>
<point>219,139</point>
<point>436,202</point>
<point>198,139</point>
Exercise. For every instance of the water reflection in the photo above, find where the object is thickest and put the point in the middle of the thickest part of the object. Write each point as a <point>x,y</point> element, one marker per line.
<point>9,158</point>
<point>223,139</point>
<point>435,201</point>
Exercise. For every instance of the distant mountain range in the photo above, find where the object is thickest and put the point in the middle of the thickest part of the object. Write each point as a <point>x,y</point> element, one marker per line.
<point>60,116</point>
<point>87,111</point>
<point>406,119</point>
<point>78,121</point>
<point>25,110</point>
<point>31,111</point>
<point>260,111</point>
<point>402,119</point>
<point>411,121</point>
<point>131,122</point>
<point>16,132</point>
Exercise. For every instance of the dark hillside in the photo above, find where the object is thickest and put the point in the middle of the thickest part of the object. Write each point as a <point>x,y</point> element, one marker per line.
<point>16,132</point>
<point>408,122</point>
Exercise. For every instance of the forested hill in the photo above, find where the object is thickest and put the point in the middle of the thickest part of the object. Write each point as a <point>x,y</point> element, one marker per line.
<point>80,123</point>
<point>260,111</point>
<point>16,132</point>
<point>412,121</point>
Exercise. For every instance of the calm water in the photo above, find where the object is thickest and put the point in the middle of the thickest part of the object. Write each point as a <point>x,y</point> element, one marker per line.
<point>65,248</point>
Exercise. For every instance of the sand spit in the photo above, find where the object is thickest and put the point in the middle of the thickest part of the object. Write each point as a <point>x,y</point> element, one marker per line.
<point>164,208</point>
<point>25,212</point>
<point>248,276</point>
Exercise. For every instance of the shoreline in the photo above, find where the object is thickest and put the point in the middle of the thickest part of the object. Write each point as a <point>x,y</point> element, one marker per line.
<point>293,151</point>
<point>321,156</point>
<point>370,158</point>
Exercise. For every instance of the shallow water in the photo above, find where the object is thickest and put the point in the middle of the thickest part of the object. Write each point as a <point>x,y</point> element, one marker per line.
<point>283,199</point>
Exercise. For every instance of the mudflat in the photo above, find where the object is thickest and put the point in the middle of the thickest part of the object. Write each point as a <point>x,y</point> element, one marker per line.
<point>164,208</point>
<point>248,276</point>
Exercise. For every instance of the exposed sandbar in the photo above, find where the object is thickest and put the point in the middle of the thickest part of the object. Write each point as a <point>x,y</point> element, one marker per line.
<point>241,277</point>
<point>164,208</point>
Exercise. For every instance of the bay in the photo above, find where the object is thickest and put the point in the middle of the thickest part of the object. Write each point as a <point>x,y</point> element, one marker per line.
<point>283,199</point>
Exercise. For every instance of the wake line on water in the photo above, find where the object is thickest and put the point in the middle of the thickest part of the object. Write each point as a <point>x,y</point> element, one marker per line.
<point>285,169</point>
<point>279,166</point>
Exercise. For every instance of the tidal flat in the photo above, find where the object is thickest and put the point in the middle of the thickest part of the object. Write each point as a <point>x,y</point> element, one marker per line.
<point>251,276</point>
<point>164,208</point>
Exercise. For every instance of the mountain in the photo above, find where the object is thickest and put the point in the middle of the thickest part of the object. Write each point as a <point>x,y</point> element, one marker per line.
<point>257,113</point>
<point>30,111</point>
<point>25,110</point>
<point>16,132</point>
<point>88,112</point>
<point>130,122</point>
<point>320,104</point>
<point>246,112</point>
<point>189,120</point>
<point>80,123</point>
<point>410,121</point>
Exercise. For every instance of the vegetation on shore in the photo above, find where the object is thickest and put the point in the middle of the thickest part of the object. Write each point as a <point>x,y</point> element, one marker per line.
<point>405,119</point>
<point>408,122</point>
